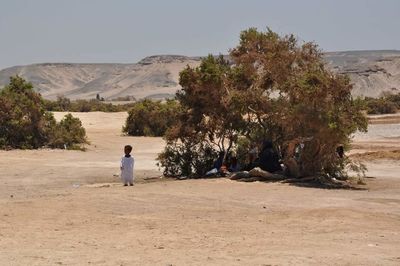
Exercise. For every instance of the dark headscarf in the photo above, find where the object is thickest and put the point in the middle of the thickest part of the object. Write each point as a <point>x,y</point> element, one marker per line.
<point>267,144</point>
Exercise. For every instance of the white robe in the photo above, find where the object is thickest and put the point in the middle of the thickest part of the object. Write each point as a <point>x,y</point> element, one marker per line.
<point>127,164</point>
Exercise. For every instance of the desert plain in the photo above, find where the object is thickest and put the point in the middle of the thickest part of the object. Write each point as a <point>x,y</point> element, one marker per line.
<point>60,207</point>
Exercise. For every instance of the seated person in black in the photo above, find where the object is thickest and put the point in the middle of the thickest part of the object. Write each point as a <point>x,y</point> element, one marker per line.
<point>268,158</point>
<point>234,165</point>
<point>219,162</point>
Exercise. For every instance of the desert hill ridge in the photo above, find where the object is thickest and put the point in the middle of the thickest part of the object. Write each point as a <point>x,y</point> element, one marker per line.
<point>372,73</point>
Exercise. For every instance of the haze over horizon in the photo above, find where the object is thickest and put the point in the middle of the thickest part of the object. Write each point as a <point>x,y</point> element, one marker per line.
<point>125,31</point>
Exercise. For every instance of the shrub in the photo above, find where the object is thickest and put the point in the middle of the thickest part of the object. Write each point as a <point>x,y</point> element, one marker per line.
<point>24,122</point>
<point>382,105</point>
<point>191,159</point>
<point>151,118</point>
<point>394,98</point>
<point>68,133</point>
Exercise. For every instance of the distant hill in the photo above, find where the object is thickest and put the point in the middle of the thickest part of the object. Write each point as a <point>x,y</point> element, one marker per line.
<point>372,73</point>
<point>152,77</point>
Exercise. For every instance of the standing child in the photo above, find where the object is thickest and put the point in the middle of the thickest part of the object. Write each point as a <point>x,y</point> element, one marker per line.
<point>127,163</point>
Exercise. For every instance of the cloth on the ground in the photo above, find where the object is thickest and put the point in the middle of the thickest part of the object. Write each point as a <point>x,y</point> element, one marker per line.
<point>212,172</point>
<point>240,175</point>
<point>258,172</point>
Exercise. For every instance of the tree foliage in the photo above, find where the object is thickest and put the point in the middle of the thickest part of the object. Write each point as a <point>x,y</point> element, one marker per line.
<point>25,124</point>
<point>273,88</point>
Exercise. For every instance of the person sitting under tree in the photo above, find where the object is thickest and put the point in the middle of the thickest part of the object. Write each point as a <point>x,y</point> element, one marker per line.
<point>269,158</point>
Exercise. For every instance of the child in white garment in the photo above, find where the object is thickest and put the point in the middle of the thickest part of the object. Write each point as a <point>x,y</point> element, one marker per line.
<point>127,163</point>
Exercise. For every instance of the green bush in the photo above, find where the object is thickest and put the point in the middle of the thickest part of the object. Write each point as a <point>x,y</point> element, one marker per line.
<point>151,118</point>
<point>25,124</point>
<point>191,159</point>
<point>68,133</point>
<point>394,98</point>
<point>382,105</point>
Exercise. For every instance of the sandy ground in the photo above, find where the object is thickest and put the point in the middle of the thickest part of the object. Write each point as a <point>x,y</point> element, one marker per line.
<point>66,208</point>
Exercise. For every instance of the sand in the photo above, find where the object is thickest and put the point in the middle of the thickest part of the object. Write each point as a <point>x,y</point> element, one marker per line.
<point>62,207</point>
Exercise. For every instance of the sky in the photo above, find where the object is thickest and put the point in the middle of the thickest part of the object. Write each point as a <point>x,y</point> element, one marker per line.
<point>125,31</point>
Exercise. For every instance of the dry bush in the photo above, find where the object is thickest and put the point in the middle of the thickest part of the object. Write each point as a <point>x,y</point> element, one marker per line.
<point>274,88</point>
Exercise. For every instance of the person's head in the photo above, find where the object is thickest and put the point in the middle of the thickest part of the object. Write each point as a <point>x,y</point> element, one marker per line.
<point>127,149</point>
<point>223,168</point>
<point>267,144</point>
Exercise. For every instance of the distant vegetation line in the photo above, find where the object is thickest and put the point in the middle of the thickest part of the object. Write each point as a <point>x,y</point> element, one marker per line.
<point>145,118</point>
<point>386,104</point>
<point>64,104</point>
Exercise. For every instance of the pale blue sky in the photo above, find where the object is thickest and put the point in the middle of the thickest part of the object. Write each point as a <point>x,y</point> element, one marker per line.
<point>35,31</point>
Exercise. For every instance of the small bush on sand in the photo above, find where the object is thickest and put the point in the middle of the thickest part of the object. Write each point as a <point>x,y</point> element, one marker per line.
<point>68,133</point>
<point>151,118</point>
